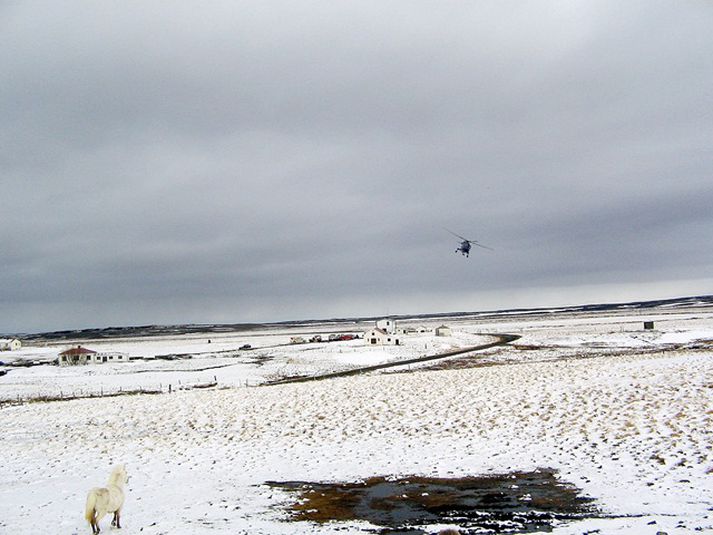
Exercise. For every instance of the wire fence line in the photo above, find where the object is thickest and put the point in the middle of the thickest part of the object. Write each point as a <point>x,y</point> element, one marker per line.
<point>101,391</point>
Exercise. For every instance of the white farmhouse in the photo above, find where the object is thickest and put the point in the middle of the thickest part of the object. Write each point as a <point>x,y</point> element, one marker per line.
<point>10,344</point>
<point>79,356</point>
<point>443,330</point>
<point>387,325</point>
<point>380,337</point>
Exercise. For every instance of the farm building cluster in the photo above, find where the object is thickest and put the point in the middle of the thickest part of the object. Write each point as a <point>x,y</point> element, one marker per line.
<point>386,333</point>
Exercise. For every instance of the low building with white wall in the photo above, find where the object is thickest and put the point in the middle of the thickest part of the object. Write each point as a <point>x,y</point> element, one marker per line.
<point>443,330</point>
<point>10,344</point>
<point>109,356</point>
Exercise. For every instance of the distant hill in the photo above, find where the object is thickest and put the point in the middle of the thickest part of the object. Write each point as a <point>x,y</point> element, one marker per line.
<point>164,330</point>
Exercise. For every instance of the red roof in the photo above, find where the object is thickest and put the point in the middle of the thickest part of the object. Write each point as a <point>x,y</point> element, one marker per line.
<point>79,350</point>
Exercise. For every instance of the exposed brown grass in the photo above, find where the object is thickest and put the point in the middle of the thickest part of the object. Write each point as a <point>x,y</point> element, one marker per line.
<point>426,497</point>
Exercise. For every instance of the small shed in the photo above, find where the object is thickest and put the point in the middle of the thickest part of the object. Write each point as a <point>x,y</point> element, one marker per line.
<point>443,330</point>
<point>648,325</point>
<point>10,344</point>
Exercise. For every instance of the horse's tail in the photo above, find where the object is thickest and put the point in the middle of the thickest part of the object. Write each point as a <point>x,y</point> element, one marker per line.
<point>90,509</point>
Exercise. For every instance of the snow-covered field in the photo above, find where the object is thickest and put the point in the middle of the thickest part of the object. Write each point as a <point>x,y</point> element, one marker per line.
<point>624,414</point>
<point>221,361</point>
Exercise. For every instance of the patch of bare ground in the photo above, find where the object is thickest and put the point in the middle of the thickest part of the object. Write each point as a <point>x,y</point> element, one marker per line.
<point>518,502</point>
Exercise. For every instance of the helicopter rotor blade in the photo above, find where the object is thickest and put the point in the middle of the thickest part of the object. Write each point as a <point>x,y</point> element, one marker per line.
<point>480,245</point>
<point>456,235</point>
<point>469,241</point>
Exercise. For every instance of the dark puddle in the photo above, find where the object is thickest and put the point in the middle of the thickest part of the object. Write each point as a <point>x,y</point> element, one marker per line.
<point>519,502</point>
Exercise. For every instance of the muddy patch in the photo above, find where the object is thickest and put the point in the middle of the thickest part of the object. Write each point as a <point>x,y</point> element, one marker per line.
<point>519,502</point>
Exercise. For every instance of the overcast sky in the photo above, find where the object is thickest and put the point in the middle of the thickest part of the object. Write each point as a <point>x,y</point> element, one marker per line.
<point>162,162</point>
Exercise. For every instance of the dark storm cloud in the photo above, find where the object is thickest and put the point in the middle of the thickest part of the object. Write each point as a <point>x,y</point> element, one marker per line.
<point>264,161</point>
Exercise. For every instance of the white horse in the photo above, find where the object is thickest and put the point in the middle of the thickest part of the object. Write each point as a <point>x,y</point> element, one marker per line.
<point>109,499</point>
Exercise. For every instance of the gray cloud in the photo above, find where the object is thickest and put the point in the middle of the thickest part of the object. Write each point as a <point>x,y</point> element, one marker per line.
<point>260,161</point>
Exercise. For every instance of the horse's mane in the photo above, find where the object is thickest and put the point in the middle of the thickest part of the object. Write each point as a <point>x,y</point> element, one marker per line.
<point>115,477</point>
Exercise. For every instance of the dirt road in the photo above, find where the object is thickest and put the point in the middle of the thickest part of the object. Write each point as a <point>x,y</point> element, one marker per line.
<point>502,339</point>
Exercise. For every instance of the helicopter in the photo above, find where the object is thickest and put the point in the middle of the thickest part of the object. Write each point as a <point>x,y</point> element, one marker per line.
<point>464,247</point>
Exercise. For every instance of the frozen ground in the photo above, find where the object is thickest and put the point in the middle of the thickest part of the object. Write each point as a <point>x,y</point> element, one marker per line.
<point>624,414</point>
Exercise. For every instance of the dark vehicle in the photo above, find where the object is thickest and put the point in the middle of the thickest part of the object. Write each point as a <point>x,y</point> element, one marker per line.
<point>245,347</point>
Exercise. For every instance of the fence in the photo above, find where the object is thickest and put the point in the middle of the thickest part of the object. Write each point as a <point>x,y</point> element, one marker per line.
<point>60,394</point>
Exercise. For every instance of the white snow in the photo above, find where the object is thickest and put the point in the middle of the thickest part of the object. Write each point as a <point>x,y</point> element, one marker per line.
<point>271,357</point>
<point>618,411</point>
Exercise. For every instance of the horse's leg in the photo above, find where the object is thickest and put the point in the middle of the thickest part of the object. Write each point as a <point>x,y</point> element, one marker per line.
<point>113,520</point>
<point>98,515</point>
<point>117,516</point>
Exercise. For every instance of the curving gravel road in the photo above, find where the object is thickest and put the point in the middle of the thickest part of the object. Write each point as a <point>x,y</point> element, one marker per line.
<point>502,339</point>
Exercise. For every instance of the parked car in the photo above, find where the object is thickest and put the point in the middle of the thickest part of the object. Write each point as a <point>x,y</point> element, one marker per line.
<point>245,347</point>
